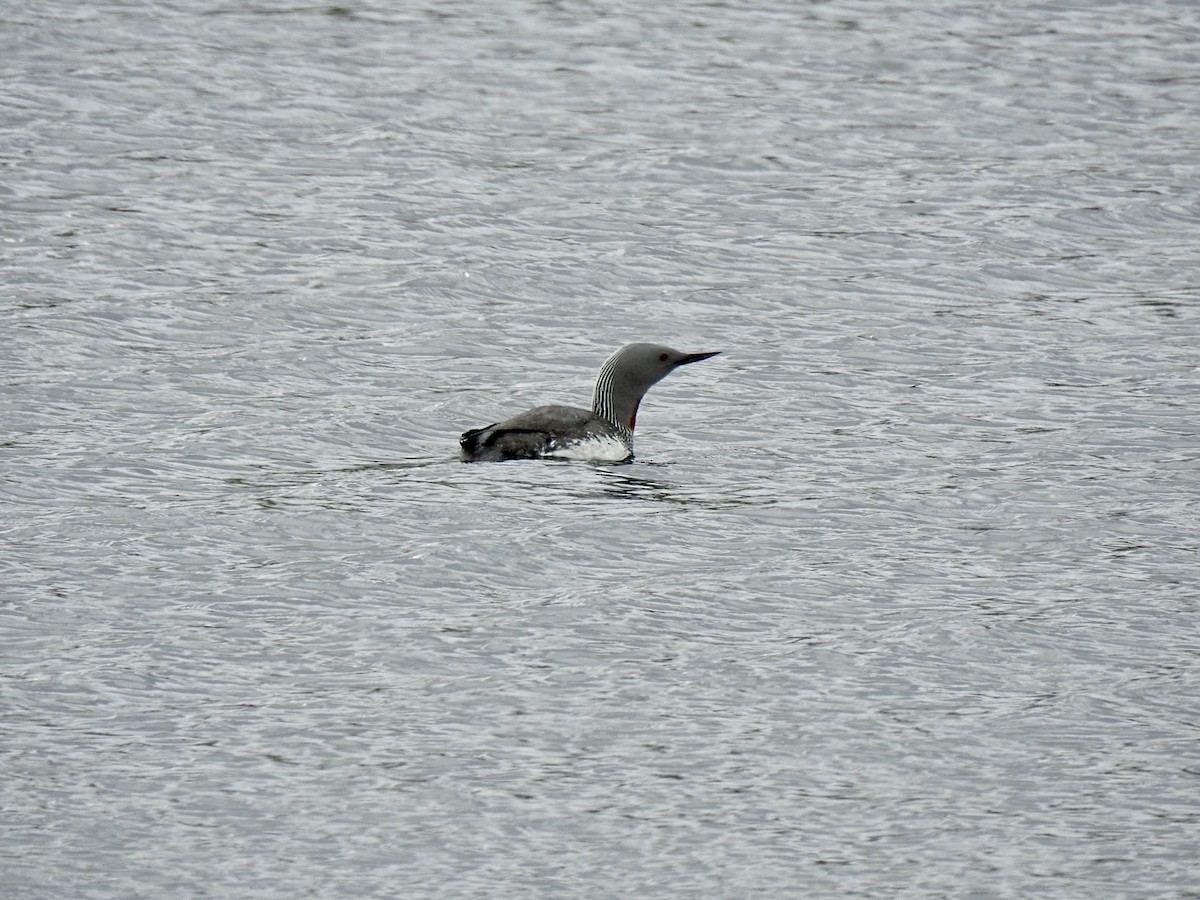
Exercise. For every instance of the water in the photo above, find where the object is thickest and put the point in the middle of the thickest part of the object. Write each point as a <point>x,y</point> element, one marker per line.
<point>898,599</point>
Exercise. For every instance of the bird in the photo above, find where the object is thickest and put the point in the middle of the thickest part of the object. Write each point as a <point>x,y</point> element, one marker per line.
<point>604,432</point>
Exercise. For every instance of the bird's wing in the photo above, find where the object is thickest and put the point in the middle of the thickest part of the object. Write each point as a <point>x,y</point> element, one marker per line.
<point>527,435</point>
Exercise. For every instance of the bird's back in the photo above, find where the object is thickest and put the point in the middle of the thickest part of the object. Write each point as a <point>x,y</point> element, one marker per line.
<point>545,431</point>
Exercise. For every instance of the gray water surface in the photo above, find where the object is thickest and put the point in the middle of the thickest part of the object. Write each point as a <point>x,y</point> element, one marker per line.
<point>899,597</point>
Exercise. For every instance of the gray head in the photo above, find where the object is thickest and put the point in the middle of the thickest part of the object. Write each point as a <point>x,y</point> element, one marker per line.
<point>629,373</point>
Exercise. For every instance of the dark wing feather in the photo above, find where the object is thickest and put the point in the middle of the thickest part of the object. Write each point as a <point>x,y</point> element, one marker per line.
<point>528,435</point>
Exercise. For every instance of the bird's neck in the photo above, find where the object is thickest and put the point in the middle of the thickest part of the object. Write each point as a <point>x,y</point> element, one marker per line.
<point>613,404</point>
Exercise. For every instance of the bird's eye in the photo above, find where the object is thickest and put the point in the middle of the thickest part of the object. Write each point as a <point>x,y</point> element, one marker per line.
<point>662,357</point>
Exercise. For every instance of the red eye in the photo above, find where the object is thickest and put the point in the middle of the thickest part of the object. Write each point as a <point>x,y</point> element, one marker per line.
<point>662,357</point>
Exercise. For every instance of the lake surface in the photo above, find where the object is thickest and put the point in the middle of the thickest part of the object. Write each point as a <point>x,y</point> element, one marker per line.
<point>899,598</point>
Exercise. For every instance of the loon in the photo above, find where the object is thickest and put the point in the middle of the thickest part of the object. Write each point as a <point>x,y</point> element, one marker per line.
<point>604,432</point>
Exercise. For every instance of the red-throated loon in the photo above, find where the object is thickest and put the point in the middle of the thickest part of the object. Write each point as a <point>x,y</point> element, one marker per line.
<point>568,432</point>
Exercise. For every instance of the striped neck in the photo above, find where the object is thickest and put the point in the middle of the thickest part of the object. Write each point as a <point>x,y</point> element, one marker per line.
<point>613,402</point>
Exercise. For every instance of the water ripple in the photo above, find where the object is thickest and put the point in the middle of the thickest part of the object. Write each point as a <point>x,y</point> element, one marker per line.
<point>901,579</point>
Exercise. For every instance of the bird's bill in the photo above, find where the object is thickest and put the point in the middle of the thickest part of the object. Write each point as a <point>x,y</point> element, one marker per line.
<point>696,357</point>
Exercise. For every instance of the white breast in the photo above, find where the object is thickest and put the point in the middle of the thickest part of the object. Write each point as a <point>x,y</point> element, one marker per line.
<point>603,448</point>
